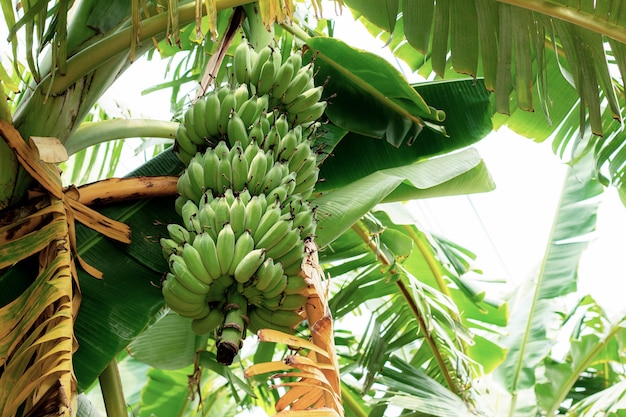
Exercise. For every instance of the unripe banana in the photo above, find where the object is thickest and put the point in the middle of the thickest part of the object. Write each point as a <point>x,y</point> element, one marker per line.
<point>280,286</point>
<point>294,256</point>
<point>272,139</point>
<point>241,62</point>
<point>206,217</point>
<point>209,323</point>
<point>307,185</point>
<point>285,245</point>
<point>248,265</point>
<point>199,113</point>
<point>304,218</point>
<point>212,111</point>
<point>184,188</point>
<point>270,218</point>
<point>253,214</point>
<point>245,196</point>
<point>239,166</point>
<point>225,174</point>
<point>182,307</point>
<point>266,78</point>
<point>298,84</point>
<point>255,135</point>
<point>229,195</point>
<point>176,287</point>
<point>205,245</point>
<point>274,234</point>
<point>307,167</point>
<point>169,246</point>
<point>268,275</point>
<point>282,318</point>
<point>236,130</point>
<point>190,217</point>
<point>292,302</point>
<point>238,217</point>
<point>283,78</point>
<point>262,57</point>
<point>243,246</point>
<point>295,285</point>
<point>184,141</point>
<point>256,171</point>
<point>257,323</point>
<point>242,94</point>
<point>210,166</point>
<point>222,212</point>
<point>309,115</point>
<point>295,59</point>
<point>227,107</point>
<point>218,290</point>
<point>286,146</point>
<point>225,248</point>
<point>282,125</point>
<point>247,112</point>
<point>180,269</point>
<point>222,150</point>
<point>195,172</point>
<point>274,177</point>
<point>299,155</point>
<point>179,234</point>
<point>195,265</point>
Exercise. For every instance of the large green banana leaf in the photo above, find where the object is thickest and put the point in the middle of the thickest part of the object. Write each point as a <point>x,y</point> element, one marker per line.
<point>533,310</point>
<point>561,63</point>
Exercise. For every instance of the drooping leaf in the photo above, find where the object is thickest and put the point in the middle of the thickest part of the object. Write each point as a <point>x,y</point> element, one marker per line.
<point>528,340</point>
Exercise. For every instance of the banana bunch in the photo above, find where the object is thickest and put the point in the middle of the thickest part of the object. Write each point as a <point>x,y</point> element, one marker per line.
<point>226,112</point>
<point>235,260</point>
<point>292,171</point>
<point>289,84</point>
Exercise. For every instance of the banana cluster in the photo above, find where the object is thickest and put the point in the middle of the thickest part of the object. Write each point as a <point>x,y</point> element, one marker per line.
<point>235,259</point>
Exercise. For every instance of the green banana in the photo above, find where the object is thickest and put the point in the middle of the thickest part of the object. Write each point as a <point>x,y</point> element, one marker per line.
<point>286,244</point>
<point>205,245</point>
<point>267,275</point>
<point>236,130</point>
<point>243,245</point>
<point>257,323</point>
<point>225,174</point>
<point>282,318</point>
<point>180,269</point>
<point>283,78</point>
<point>305,100</point>
<point>239,167</point>
<point>287,144</point>
<point>256,171</point>
<point>225,248</point>
<point>248,265</point>
<point>292,302</point>
<point>169,247</point>
<point>237,217</point>
<point>241,62</point>
<point>227,107</point>
<point>199,113</point>
<point>299,155</point>
<point>266,78</point>
<point>209,323</point>
<point>262,57</point>
<point>206,217</point>
<point>247,112</point>
<point>222,212</point>
<point>298,84</point>
<point>195,265</point>
<point>294,256</point>
<point>176,287</point>
<point>217,293</point>
<point>179,234</point>
<point>184,187</point>
<point>274,234</point>
<point>190,217</point>
<point>253,214</point>
<point>180,306</point>
<point>274,177</point>
<point>295,285</point>
<point>212,110</point>
<point>210,166</point>
<point>195,173</point>
<point>184,141</point>
<point>280,285</point>
<point>270,217</point>
<point>309,115</point>
<point>242,94</point>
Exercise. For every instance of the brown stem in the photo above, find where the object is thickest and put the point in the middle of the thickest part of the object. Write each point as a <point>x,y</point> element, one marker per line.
<point>412,304</point>
<point>114,190</point>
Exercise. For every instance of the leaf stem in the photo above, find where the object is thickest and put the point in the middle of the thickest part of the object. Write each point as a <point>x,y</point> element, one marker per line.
<point>416,312</point>
<point>89,134</point>
<point>119,42</point>
<point>112,392</point>
<point>573,16</point>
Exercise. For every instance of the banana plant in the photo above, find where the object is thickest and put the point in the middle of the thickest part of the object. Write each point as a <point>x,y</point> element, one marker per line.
<point>403,148</point>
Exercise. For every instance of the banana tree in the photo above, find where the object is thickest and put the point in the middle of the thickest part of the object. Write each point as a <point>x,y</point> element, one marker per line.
<point>382,141</point>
